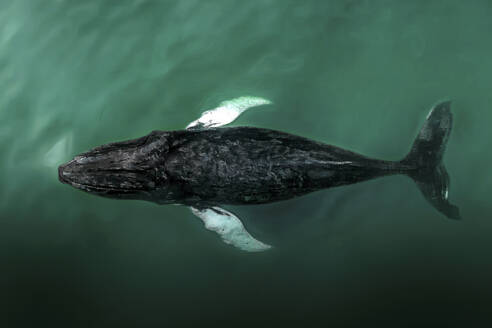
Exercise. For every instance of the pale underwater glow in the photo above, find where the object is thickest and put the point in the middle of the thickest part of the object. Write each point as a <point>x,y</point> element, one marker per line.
<point>58,152</point>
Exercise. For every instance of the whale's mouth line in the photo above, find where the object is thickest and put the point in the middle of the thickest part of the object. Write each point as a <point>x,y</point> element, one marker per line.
<point>65,178</point>
<point>90,187</point>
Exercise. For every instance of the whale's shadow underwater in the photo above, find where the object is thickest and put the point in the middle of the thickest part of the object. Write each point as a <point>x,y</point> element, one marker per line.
<point>205,166</point>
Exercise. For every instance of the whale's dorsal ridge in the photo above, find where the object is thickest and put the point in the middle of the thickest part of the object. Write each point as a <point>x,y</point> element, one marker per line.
<point>227,112</point>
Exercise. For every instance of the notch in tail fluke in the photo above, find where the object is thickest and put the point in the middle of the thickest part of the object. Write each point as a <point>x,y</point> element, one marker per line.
<point>425,159</point>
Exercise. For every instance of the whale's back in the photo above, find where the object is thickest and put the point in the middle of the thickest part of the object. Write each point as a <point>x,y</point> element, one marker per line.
<point>244,165</point>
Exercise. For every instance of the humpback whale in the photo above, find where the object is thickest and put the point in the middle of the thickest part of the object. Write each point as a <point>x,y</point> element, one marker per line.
<point>206,165</point>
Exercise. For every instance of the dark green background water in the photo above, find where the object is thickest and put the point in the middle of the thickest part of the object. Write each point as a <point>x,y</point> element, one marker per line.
<point>357,74</point>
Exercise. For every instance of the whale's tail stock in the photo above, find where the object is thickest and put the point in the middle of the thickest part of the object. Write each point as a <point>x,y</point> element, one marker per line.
<point>424,161</point>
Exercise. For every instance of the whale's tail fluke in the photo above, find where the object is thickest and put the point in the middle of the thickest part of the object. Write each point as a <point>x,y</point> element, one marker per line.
<point>424,161</point>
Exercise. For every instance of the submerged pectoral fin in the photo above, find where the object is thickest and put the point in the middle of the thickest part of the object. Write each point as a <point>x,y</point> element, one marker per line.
<point>226,113</point>
<point>230,228</point>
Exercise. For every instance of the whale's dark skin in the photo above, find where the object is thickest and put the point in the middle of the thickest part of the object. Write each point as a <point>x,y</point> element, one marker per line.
<point>248,165</point>
<point>241,165</point>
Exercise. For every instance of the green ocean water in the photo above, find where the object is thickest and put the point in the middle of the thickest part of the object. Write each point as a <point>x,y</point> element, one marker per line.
<point>358,74</point>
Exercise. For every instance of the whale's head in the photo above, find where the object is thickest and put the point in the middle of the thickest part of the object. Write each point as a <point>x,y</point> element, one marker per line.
<point>132,169</point>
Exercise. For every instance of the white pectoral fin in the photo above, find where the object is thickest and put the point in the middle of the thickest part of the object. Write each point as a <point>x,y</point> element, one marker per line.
<point>230,229</point>
<point>227,112</point>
